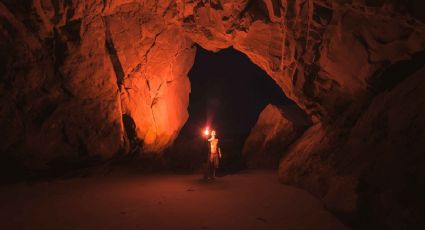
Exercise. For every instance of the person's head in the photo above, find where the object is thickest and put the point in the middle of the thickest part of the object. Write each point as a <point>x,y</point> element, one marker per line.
<point>213,133</point>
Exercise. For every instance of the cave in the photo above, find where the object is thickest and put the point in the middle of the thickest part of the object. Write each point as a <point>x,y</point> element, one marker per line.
<point>98,99</point>
<point>228,92</point>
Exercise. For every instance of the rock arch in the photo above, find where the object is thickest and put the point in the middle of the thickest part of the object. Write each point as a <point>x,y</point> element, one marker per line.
<point>71,70</point>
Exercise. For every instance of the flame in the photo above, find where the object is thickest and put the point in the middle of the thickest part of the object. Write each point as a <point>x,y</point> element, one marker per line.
<point>206,132</point>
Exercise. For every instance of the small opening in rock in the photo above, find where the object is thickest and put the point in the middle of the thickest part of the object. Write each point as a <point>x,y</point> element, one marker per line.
<point>228,92</point>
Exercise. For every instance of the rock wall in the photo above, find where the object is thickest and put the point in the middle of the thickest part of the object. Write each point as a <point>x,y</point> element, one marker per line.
<point>83,80</point>
<point>93,79</point>
<point>325,55</point>
<point>152,58</point>
<point>276,128</point>
<point>371,173</point>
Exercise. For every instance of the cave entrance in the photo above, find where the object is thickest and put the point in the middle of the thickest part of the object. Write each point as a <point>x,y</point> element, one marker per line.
<point>228,92</point>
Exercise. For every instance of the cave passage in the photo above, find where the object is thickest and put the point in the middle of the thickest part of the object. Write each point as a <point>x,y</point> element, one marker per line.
<point>228,92</point>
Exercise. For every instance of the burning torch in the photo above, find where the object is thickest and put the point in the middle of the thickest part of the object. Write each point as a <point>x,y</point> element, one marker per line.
<point>206,132</point>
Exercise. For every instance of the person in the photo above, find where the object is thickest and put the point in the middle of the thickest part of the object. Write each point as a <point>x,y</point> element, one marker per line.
<point>214,156</point>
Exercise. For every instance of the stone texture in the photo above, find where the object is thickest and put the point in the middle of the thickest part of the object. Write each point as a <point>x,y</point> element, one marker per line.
<point>93,79</point>
<point>153,59</point>
<point>79,68</point>
<point>371,171</point>
<point>276,128</point>
<point>58,112</point>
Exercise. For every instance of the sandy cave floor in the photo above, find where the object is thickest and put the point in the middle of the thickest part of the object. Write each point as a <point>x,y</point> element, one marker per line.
<point>248,200</point>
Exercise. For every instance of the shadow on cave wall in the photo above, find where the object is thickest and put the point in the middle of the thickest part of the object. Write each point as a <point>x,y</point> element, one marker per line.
<point>228,92</point>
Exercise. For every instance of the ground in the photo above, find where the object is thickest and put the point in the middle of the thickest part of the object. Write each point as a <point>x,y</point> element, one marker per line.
<point>247,200</point>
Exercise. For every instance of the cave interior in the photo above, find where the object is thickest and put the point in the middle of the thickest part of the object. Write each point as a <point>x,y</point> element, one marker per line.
<point>326,97</point>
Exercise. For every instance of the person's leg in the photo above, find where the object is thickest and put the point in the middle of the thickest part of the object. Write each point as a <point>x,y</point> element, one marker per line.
<point>211,170</point>
<point>206,170</point>
<point>215,165</point>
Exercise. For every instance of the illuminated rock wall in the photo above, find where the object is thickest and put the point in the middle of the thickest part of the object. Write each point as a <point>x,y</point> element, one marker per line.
<point>82,80</point>
<point>73,70</point>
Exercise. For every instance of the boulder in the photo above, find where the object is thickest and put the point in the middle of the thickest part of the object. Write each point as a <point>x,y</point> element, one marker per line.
<point>276,128</point>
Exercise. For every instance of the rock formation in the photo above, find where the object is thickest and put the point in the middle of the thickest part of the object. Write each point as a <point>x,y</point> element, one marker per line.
<point>87,79</point>
<point>80,69</point>
<point>371,170</point>
<point>276,128</point>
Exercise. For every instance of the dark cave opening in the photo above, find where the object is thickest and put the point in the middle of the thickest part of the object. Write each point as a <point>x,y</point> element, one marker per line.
<point>228,92</point>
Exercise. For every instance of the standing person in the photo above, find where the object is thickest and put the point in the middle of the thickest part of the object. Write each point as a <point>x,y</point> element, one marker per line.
<point>213,157</point>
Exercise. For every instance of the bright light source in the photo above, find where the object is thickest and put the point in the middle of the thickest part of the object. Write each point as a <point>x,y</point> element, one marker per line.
<point>206,132</point>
